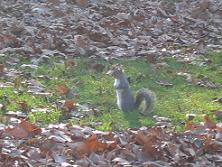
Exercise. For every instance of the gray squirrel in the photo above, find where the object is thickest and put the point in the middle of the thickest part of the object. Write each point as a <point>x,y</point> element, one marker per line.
<point>125,99</point>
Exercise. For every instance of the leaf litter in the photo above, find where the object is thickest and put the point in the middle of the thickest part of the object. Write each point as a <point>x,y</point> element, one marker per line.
<point>68,145</point>
<point>41,29</point>
<point>110,28</point>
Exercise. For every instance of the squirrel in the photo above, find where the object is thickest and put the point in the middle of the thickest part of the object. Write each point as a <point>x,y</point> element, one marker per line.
<point>125,99</point>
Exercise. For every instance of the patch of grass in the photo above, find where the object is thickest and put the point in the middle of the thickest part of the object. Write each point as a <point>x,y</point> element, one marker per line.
<point>12,98</point>
<point>96,88</point>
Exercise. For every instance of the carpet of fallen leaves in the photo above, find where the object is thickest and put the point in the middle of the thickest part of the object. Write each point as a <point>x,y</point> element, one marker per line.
<point>109,28</point>
<point>25,144</point>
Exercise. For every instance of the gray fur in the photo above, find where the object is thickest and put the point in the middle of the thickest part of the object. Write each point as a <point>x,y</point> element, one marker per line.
<point>125,99</point>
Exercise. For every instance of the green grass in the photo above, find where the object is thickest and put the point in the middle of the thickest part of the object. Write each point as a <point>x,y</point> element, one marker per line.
<point>96,89</point>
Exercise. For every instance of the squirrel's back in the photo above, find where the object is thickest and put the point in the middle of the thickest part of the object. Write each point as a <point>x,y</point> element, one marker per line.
<point>125,99</point>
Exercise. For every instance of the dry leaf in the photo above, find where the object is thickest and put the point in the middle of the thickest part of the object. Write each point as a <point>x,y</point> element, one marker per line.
<point>95,145</point>
<point>80,149</point>
<point>29,127</point>
<point>17,132</point>
<point>140,138</point>
<point>82,3</point>
<point>62,89</point>
<point>2,67</point>
<point>92,143</point>
<point>150,147</point>
<point>209,123</point>
<point>32,141</point>
<point>151,59</point>
<point>69,63</point>
<point>69,105</point>
<point>189,125</point>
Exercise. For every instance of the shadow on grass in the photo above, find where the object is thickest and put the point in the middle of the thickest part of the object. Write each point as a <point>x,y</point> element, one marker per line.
<point>136,119</point>
<point>133,119</point>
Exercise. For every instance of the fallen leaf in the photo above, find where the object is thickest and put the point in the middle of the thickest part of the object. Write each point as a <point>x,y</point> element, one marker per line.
<point>80,149</point>
<point>69,63</point>
<point>62,89</point>
<point>92,143</point>
<point>82,3</point>
<point>69,105</point>
<point>209,123</point>
<point>150,147</point>
<point>29,127</point>
<point>17,132</point>
<point>2,67</point>
<point>189,125</point>
<point>32,141</point>
<point>152,59</point>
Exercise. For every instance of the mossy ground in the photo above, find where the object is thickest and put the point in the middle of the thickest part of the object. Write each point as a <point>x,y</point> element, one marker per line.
<point>96,88</point>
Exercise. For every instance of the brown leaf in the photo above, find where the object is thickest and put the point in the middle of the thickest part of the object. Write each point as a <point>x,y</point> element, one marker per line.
<point>81,41</point>
<point>209,144</point>
<point>189,125</point>
<point>32,141</point>
<point>69,105</point>
<point>17,132</point>
<point>140,138</point>
<point>149,143</point>
<point>80,149</point>
<point>2,66</point>
<point>24,130</point>
<point>34,154</point>
<point>29,127</point>
<point>82,3</point>
<point>48,145</point>
<point>94,145</point>
<point>150,147</point>
<point>62,89</point>
<point>202,7</point>
<point>69,63</point>
<point>151,59</point>
<point>209,123</point>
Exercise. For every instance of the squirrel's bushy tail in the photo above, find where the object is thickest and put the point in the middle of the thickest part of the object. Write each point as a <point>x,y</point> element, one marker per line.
<point>148,97</point>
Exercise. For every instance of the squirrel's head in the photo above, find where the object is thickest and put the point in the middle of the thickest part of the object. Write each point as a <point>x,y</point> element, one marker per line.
<point>116,71</point>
